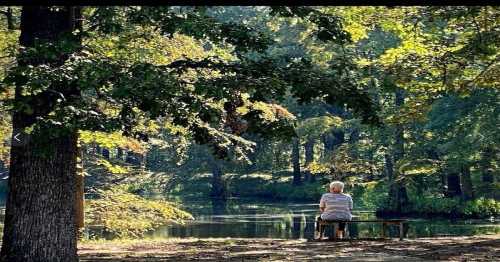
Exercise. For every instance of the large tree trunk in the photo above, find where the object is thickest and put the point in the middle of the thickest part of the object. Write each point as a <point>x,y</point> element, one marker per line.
<point>296,161</point>
<point>466,181</point>
<point>309,158</point>
<point>40,214</point>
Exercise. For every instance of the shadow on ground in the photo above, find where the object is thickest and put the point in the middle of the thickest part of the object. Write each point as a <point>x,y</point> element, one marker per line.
<point>484,248</point>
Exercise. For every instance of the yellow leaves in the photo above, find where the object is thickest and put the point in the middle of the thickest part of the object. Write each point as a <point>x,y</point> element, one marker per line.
<point>151,47</point>
<point>318,168</point>
<point>369,185</point>
<point>8,42</point>
<point>357,31</point>
<point>416,167</point>
<point>363,62</point>
<point>393,26</point>
<point>408,46</point>
<point>268,112</point>
<point>114,169</point>
<point>357,20</point>
<point>111,140</point>
<point>5,135</point>
<point>175,129</point>
<point>428,135</point>
<point>342,163</point>
<point>316,126</point>
<point>127,215</point>
<point>391,56</point>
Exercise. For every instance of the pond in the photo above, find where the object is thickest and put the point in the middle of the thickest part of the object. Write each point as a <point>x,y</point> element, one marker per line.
<point>254,218</point>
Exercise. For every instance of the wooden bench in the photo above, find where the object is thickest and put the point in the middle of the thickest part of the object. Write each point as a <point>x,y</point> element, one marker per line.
<point>385,222</point>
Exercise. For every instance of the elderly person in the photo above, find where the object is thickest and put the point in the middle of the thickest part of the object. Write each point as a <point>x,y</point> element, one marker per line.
<point>336,206</point>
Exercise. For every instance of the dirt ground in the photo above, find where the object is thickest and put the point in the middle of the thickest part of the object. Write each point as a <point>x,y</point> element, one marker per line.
<point>477,248</point>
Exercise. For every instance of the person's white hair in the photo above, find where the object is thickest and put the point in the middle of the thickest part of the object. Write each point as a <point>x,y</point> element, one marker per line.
<point>337,185</point>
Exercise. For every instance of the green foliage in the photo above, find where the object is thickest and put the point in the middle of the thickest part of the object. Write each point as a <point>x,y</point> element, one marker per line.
<point>370,195</point>
<point>114,169</point>
<point>482,207</point>
<point>307,192</point>
<point>230,77</point>
<point>314,127</point>
<point>125,215</point>
<point>433,205</point>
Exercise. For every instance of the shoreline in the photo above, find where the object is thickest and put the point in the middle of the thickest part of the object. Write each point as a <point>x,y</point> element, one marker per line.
<point>469,248</point>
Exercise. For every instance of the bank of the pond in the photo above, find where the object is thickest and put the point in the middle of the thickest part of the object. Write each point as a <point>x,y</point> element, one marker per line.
<point>476,248</point>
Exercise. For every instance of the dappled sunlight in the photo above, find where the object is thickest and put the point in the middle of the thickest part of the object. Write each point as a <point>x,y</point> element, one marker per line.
<point>456,248</point>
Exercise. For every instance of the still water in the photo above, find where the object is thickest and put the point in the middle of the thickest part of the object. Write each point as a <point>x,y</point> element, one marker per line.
<point>256,218</point>
<point>247,218</point>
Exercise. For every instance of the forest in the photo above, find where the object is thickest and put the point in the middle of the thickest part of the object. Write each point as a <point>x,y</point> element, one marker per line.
<point>116,121</point>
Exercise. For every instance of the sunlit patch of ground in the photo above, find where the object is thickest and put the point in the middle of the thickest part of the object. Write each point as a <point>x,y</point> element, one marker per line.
<point>477,248</point>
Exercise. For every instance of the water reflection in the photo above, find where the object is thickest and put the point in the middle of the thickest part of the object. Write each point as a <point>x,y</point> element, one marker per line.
<point>252,218</point>
<point>219,206</point>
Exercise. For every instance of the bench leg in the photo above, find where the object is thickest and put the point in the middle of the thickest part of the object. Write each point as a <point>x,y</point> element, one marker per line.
<point>401,232</point>
<point>335,229</point>
<point>384,228</point>
<point>321,231</point>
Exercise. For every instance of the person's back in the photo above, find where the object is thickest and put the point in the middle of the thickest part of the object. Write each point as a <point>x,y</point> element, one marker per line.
<point>338,206</point>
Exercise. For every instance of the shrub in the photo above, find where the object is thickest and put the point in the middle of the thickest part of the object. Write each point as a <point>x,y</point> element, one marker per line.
<point>123,214</point>
<point>482,207</point>
<point>433,205</point>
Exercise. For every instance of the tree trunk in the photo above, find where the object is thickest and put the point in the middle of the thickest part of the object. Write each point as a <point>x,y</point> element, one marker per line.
<point>466,181</point>
<point>487,176</point>
<point>389,170</point>
<point>253,157</point>
<point>80,194</point>
<point>9,18</point>
<point>453,184</point>
<point>40,213</point>
<point>218,186</point>
<point>397,192</point>
<point>97,149</point>
<point>354,136</point>
<point>296,161</point>
<point>433,154</point>
<point>134,158</point>
<point>119,153</point>
<point>105,153</point>
<point>332,140</point>
<point>309,158</point>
